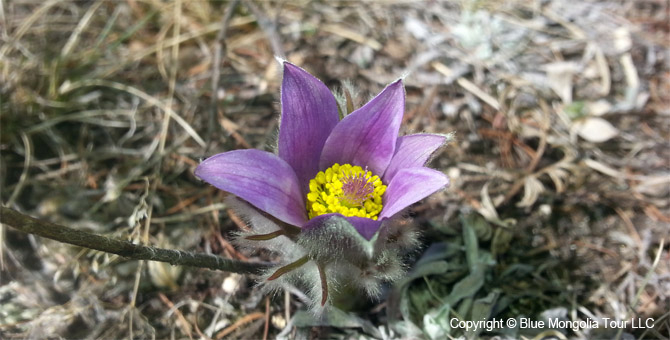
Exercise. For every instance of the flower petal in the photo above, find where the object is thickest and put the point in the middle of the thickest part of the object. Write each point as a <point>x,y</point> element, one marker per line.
<point>365,226</point>
<point>412,151</point>
<point>261,178</point>
<point>367,136</point>
<point>309,114</point>
<point>408,186</point>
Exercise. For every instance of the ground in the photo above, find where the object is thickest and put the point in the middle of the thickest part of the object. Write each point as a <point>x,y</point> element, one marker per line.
<point>560,170</point>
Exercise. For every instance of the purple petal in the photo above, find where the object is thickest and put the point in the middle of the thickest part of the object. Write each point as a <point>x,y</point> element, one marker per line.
<point>261,178</point>
<point>365,226</point>
<point>412,151</point>
<point>409,186</point>
<point>367,136</point>
<point>309,114</point>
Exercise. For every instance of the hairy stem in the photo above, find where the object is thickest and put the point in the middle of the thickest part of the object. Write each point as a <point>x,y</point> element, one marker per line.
<point>126,249</point>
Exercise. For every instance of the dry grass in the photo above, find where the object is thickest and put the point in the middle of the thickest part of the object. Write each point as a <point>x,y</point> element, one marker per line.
<point>561,112</point>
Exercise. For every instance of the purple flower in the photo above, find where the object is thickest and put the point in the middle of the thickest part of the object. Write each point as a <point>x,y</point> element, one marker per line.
<point>356,168</point>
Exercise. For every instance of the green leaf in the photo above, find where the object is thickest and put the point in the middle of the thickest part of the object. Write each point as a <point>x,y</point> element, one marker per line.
<point>333,317</point>
<point>501,241</point>
<point>575,110</point>
<point>470,241</point>
<point>467,287</point>
<point>400,292</point>
<point>479,224</point>
<point>431,263</point>
<point>436,323</point>
<point>482,309</point>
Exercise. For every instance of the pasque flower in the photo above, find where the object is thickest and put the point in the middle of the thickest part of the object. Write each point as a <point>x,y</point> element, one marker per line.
<point>330,177</point>
<point>356,167</point>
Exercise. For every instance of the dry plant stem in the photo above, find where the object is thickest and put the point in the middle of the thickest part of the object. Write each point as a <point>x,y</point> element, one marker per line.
<point>287,304</point>
<point>161,146</point>
<point>140,94</point>
<point>544,108</point>
<point>183,324</point>
<point>266,328</point>
<point>239,323</point>
<point>632,307</point>
<point>220,49</point>
<point>28,148</point>
<point>126,249</point>
<point>268,27</point>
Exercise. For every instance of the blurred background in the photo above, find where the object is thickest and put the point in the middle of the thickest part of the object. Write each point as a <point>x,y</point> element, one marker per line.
<point>560,173</point>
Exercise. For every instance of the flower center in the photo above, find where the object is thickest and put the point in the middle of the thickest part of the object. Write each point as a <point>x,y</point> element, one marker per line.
<point>345,189</point>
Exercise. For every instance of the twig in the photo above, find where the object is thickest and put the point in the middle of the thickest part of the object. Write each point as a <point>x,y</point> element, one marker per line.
<point>126,249</point>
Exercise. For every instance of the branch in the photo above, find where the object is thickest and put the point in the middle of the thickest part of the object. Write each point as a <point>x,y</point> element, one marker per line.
<point>126,249</point>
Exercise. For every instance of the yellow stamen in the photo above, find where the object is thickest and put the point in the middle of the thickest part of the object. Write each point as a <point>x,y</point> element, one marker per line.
<point>345,189</point>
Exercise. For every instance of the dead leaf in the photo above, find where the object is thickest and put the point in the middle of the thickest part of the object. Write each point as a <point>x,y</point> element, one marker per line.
<point>595,130</point>
<point>560,76</point>
<point>656,186</point>
<point>532,190</point>
<point>598,108</point>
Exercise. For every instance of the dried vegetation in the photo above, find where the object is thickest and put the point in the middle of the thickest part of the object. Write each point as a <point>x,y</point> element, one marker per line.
<point>560,171</point>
